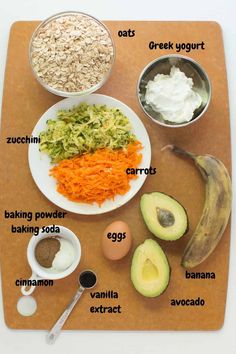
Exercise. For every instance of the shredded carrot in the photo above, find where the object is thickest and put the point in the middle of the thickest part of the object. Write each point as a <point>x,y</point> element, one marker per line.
<point>98,176</point>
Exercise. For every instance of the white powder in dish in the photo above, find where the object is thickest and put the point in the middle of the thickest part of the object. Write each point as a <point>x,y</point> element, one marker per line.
<point>64,257</point>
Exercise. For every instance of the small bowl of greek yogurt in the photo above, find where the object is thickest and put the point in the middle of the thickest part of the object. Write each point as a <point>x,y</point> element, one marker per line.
<point>174,90</point>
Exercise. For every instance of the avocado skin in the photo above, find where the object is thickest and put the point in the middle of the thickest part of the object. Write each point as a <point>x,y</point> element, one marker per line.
<point>150,228</point>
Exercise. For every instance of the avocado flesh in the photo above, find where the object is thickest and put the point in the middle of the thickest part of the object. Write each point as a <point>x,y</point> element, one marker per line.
<point>150,271</point>
<point>164,216</point>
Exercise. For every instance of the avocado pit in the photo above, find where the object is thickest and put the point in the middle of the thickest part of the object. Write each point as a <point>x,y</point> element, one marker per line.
<point>165,217</point>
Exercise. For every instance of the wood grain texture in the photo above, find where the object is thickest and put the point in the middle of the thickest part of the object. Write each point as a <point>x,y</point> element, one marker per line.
<point>25,101</point>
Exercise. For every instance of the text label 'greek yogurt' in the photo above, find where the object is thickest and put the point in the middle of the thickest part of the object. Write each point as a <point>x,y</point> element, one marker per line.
<point>186,47</point>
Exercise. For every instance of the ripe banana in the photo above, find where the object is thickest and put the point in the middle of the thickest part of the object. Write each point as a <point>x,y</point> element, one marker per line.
<point>216,209</point>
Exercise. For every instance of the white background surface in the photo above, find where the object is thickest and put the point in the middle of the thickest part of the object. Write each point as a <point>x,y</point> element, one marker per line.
<point>133,342</point>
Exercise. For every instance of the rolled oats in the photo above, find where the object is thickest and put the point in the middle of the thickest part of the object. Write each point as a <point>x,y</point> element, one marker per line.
<point>72,53</point>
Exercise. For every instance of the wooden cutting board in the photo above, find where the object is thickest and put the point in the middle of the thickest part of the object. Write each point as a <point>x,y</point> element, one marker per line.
<point>25,101</point>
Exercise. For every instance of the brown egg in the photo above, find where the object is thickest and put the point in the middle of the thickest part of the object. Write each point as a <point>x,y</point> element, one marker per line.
<point>116,240</point>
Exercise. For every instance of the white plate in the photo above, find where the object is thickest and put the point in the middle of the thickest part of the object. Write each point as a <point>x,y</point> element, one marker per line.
<point>39,163</point>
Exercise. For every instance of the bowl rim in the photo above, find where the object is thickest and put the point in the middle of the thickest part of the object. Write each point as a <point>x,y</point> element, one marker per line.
<point>74,93</point>
<point>180,125</point>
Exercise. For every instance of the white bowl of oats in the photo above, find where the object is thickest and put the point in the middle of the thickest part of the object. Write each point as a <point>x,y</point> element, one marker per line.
<point>71,54</point>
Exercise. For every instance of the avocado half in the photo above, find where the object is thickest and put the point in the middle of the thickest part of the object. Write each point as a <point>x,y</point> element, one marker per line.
<point>150,271</point>
<point>164,216</point>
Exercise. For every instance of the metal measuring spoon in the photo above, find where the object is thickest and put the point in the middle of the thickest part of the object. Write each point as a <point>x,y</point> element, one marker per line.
<point>87,280</point>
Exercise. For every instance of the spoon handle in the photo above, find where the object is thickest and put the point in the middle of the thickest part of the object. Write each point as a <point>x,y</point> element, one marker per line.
<point>55,331</point>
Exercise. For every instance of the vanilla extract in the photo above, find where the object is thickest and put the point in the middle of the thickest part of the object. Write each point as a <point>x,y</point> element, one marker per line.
<point>88,279</point>
<point>108,294</point>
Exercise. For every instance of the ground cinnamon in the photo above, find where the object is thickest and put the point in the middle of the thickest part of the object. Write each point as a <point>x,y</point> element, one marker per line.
<point>46,250</point>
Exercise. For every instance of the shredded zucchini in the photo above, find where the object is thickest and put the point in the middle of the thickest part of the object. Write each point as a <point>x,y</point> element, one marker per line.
<point>85,128</point>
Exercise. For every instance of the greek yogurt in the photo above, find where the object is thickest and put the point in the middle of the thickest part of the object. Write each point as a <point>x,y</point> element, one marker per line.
<point>173,96</point>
